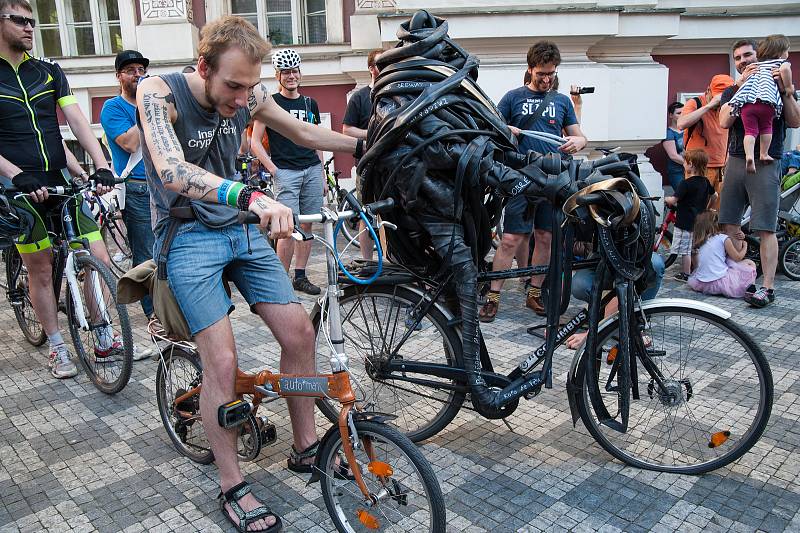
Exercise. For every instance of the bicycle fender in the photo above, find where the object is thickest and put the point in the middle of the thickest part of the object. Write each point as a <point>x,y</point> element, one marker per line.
<point>574,376</point>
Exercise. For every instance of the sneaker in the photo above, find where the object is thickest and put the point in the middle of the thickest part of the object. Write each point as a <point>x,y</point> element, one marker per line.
<point>748,292</point>
<point>760,298</point>
<point>534,300</point>
<point>60,363</point>
<point>140,353</point>
<point>489,310</point>
<point>304,285</point>
<point>103,352</point>
<point>683,277</point>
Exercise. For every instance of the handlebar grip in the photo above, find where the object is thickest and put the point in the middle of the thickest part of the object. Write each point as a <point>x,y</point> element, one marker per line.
<point>611,158</point>
<point>380,206</point>
<point>248,217</point>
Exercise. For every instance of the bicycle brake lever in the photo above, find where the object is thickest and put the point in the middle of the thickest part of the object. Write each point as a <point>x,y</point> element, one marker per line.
<point>299,235</point>
<point>387,224</point>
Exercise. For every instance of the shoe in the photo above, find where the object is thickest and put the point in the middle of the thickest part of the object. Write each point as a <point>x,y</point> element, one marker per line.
<point>534,301</point>
<point>682,277</point>
<point>489,310</point>
<point>140,353</point>
<point>103,352</point>
<point>60,363</point>
<point>748,292</point>
<point>304,285</point>
<point>760,298</point>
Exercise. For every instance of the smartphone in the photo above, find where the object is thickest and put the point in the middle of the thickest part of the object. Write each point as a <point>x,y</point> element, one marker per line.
<point>585,90</point>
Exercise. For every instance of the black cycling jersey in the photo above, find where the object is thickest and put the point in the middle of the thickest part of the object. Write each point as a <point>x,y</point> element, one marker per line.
<point>30,136</point>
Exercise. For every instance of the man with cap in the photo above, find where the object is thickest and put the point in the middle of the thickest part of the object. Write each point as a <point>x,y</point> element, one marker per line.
<point>118,118</point>
<point>762,189</point>
<point>701,129</point>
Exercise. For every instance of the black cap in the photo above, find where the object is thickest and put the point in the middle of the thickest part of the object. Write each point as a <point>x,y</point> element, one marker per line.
<point>130,56</point>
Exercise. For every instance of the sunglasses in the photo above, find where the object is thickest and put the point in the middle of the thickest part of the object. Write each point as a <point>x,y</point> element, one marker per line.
<point>19,20</point>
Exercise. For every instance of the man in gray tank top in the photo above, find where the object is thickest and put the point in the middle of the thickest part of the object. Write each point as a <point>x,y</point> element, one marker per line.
<point>192,126</point>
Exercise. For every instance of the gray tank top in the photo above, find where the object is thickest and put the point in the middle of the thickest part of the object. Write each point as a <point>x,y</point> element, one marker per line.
<point>195,129</point>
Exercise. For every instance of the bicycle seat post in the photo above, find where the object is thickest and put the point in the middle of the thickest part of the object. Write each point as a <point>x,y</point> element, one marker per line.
<point>338,359</point>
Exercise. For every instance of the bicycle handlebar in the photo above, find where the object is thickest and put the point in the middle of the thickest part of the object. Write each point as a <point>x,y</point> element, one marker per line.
<point>248,217</point>
<point>63,190</point>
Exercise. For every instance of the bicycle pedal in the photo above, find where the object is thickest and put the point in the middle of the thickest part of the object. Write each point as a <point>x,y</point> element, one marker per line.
<point>234,413</point>
<point>269,433</point>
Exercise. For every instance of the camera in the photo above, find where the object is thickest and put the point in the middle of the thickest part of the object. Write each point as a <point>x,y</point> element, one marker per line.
<point>585,90</point>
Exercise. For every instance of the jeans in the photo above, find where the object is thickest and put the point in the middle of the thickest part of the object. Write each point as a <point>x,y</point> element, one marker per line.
<point>140,233</point>
<point>582,281</point>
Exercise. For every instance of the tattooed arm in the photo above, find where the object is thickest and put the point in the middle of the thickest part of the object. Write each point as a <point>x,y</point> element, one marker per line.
<point>157,112</point>
<point>263,108</point>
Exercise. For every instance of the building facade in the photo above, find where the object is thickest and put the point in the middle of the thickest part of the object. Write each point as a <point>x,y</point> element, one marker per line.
<point>638,54</point>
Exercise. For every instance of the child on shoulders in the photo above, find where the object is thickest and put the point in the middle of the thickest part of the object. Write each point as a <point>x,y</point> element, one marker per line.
<point>721,266</point>
<point>693,195</point>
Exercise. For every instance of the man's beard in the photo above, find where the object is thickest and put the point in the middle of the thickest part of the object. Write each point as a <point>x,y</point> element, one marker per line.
<point>129,89</point>
<point>21,45</point>
<point>212,102</point>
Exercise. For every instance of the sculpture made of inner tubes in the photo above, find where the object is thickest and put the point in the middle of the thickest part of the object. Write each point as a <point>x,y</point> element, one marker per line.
<point>437,145</point>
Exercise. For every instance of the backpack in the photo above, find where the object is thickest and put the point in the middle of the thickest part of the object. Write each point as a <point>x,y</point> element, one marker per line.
<point>697,126</point>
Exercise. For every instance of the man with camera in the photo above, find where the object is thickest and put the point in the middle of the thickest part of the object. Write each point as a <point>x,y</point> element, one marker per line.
<point>536,107</point>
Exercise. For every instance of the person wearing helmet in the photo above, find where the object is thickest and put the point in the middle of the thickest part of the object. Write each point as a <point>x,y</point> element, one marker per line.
<point>299,179</point>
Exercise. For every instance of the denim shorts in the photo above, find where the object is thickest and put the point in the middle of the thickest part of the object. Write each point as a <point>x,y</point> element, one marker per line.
<point>515,221</point>
<point>300,190</point>
<point>199,255</point>
<point>582,281</point>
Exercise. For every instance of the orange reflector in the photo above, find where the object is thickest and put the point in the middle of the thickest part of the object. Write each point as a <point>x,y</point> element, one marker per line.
<point>718,438</point>
<point>380,469</point>
<point>369,521</point>
<point>612,354</point>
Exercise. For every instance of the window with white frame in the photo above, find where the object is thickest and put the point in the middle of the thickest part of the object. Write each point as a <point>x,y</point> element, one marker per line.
<point>76,27</point>
<point>285,21</point>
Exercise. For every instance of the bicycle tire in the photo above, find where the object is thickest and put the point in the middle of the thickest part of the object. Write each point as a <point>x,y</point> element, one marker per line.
<point>401,499</point>
<point>663,249</point>
<point>380,312</point>
<point>707,420</point>
<point>186,433</point>
<point>17,278</point>
<point>118,246</point>
<point>789,258</point>
<point>110,372</point>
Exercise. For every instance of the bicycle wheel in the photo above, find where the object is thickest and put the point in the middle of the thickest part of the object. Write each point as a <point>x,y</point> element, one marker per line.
<point>406,494</point>
<point>179,372</point>
<point>105,349</point>
<point>663,249</point>
<point>714,404</point>
<point>789,259</point>
<point>17,285</point>
<point>375,321</point>
<point>119,249</point>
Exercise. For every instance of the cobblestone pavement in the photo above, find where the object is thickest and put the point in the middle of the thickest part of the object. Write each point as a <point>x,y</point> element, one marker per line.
<point>72,458</point>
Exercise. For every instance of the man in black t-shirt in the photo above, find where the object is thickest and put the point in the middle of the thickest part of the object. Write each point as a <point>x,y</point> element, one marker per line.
<point>299,179</point>
<point>762,189</point>
<point>355,124</point>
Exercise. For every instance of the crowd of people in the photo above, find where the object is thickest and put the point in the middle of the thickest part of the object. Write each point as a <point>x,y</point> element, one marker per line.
<point>739,127</point>
<point>175,138</point>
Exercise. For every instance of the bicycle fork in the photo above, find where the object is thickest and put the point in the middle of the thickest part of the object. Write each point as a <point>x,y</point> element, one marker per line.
<point>75,292</point>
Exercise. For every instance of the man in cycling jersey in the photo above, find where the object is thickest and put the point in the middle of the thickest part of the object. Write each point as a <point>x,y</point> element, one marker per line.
<point>192,126</point>
<point>32,155</point>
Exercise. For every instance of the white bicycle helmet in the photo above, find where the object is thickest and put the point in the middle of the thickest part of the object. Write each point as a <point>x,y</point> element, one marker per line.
<point>285,59</point>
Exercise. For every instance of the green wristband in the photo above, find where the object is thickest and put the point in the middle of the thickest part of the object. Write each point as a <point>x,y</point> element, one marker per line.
<point>233,194</point>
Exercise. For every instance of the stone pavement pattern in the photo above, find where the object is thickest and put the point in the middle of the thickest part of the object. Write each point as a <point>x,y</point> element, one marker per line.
<point>72,458</point>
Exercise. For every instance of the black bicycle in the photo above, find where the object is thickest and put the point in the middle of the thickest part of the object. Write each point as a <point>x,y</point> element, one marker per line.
<point>671,385</point>
<point>98,325</point>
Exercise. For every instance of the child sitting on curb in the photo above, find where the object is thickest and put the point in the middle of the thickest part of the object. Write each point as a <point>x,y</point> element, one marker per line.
<point>721,266</point>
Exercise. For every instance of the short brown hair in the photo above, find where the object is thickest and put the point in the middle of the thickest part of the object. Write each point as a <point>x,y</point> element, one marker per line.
<point>743,42</point>
<point>227,32</point>
<point>373,56</point>
<point>24,4</point>
<point>542,53</point>
<point>698,158</point>
<point>772,47</point>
